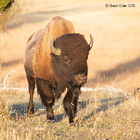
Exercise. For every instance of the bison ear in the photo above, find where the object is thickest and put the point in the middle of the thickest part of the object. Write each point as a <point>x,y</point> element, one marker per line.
<point>54,50</point>
<point>91,42</point>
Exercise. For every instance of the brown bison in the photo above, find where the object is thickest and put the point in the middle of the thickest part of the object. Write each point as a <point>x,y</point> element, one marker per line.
<point>56,59</point>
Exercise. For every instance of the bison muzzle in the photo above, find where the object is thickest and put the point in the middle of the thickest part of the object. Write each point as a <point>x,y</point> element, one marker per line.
<point>56,59</point>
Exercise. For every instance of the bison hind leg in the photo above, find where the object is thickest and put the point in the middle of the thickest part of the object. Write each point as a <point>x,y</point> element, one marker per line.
<point>31,83</point>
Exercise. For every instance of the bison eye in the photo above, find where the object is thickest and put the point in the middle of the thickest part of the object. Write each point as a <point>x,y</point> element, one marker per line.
<point>66,60</point>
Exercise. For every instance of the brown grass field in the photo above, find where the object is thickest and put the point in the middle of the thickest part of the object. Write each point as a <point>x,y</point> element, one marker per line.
<point>114,61</point>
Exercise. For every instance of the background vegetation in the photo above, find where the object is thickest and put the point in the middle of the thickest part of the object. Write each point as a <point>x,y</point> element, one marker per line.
<point>10,11</point>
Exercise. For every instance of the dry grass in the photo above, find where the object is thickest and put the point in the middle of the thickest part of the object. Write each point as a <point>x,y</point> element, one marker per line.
<point>3,107</point>
<point>100,116</point>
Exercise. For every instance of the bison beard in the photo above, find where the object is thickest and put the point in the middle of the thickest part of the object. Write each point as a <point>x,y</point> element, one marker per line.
<point>63,66</point>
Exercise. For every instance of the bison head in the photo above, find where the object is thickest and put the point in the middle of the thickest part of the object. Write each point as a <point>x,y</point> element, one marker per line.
<point>69,58</point>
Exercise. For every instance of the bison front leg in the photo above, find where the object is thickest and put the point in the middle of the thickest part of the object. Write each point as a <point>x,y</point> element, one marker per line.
<point>31,83</point>
<point>46,96</point>
<point>70,103</point>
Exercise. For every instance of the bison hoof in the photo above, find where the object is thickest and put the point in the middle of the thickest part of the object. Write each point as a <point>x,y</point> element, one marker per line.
<point>72,124</point>
<point>30,111</point>
<point>50,121</point>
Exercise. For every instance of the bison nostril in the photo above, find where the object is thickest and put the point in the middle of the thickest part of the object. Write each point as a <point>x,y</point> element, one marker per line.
<point>80,79</point>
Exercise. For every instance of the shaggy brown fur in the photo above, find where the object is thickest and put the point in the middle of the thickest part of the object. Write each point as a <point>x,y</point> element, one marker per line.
<point>56,27</point>
<point>31,49</point>
<point>54,72</point>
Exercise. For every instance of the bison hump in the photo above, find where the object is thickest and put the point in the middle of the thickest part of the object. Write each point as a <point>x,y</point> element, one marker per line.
<point>42,63</point>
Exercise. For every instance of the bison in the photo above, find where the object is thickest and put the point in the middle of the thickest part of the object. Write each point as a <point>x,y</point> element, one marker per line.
<point>56,59</point>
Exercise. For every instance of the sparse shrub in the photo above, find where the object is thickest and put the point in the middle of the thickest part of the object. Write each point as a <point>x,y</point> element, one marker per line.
<point>10,11</point>
<point>4,4</point>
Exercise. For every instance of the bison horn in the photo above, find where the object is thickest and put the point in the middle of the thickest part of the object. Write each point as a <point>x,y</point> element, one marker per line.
<point>55,50</point>
<point>91,42</point>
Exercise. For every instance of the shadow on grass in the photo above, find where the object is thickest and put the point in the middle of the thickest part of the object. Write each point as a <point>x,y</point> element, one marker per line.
<point>21,109</point>
<point>131,67</point>
<point>106,104</point>
<point>40,16</point>
<point>13,62</point>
